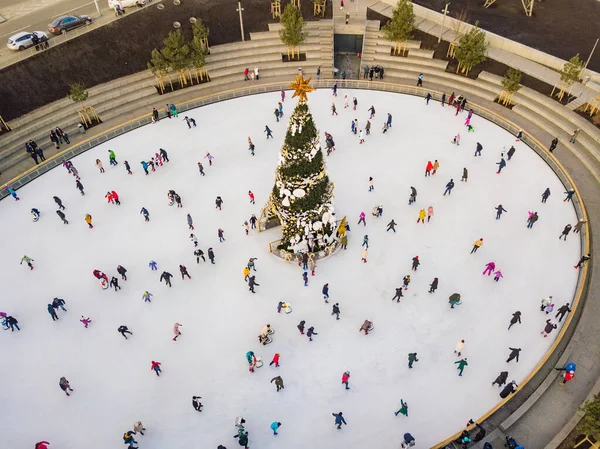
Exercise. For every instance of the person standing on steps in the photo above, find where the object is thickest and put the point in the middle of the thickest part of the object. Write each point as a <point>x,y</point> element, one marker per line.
<point>553,144</point>
<point>420,80</point>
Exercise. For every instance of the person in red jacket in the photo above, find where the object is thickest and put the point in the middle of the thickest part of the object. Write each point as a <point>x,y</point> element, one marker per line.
<point>428,168</point>
<point>346,379</point>
<point>567,377</point>
<point>156,367</point>
<point>115,197</point>
<point>42,445</point>
<point>100,275</point>
<point>275,360</point>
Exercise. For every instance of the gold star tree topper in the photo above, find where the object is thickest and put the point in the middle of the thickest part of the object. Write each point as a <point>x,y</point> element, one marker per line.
<point>301,88</point>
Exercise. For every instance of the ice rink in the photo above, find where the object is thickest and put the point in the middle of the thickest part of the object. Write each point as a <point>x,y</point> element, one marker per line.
<point>111,377</point>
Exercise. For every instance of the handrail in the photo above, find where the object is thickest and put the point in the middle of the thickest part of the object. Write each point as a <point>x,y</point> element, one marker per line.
<point>482,111</point>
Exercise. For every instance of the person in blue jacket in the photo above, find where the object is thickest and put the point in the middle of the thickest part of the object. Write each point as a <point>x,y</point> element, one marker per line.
<point>339,420</point>
<point>145,166</point>
<point>274,426</point>
<point>501,165</point>
<point>146,214</point>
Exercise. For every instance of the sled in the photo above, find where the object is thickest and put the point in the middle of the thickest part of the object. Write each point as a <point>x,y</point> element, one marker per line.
<point>103,284</point>
<point>287,309</point>
<point>271,331</point>
<point>35,218</point>
<point>371,327</point>
<point>258,362</point>
<point>171,202</point>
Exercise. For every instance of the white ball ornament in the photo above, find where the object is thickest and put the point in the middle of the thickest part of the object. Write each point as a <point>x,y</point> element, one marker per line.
<point>299,193</point>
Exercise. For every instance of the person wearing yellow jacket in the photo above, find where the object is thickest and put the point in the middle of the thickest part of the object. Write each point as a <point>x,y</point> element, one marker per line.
<point>422,215</point>
<point>88,220</point>
<point>436,165</point>
<point>476,245</point>
<point>246,273</point>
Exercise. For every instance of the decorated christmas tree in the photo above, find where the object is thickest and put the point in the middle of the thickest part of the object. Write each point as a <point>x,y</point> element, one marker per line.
<point>302,195</point>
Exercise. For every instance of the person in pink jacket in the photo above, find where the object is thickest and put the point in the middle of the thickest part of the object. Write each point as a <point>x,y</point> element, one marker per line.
<point>429,213</point>
<point>176,330</point>
<point>42,445</point>
<point>498,275</point>
<point>489,268</point>
<point>362,218</point>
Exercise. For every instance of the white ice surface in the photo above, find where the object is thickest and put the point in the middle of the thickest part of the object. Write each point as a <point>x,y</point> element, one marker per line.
<point>221,320</point>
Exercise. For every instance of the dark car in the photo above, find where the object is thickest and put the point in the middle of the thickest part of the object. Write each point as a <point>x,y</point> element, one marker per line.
<point>66,23</point>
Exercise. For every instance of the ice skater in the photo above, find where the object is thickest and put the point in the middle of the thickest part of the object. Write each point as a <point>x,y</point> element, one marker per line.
<point>147,296</point>
<point>406,281</point>
<point>85,321</point>
<point>428,168</point>
<point>371,111</point>
<point>413,196</point>
<point>362,219</point>
<point>562,311</point>
<point>501,379</point>
<point>58,202</point>
<point>514,354</point>
<point>461,365</point>
<point>478,149</point>
<point>268,131</point>
<point>459,348</point>
<point>275,360</point>
<point>196,403</point>
<point>62,216</point>
<point>498,275</point>
<point>433,286</point>
<point>489,268</point>
<point>201,169</point>
<point>569,196</point>
<point>533,217</point>
<point>449,187</point>
<point>500,165</point>
<point>114,282</point>
<point>391,226</point>
<point>88,220</point>
<point>199,254</point>
<point>364,254</point>
<point>79,186</point>
<point>499,211</point>
<point>310,332</point>
<point>218,202</point>
<point>184,272</point>
<point>412,358</point>
<point>565,232</point>
<point>64,385</point>
<point>550,326</point>
<point>403,409</point>
<point>52,312</point>
<point>398,294</point>
<point>145,213</point>
<point>124,330</point>
<point>476,245</point>
<point>415,263</point>
<point>194,240</point>
<point>252,283</point>
<point>325,292</point>
<point>128,168</point>
<point>516,318</point>
<point>28,261</point>
<point>335,310</point>
<point>176,330</point>
<point>278,383</point>
<point>583,260</point>
<point>346,379</point>
<point>190,222</point>
<point>339,420</point>
<point>275,426</point>
<point>305,278</point>
<point>166,276</point>
<point>155,366</point>
<point>211,256</point>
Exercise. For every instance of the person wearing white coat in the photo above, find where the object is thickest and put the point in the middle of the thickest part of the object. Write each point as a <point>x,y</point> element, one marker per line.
<point>545,303</point>
<point>364,254</point>
<point>459,347</point>
<point>256,72</point>
<point>361,136</point>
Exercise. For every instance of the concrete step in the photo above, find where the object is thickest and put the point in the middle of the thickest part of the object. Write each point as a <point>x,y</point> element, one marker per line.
<point>262,43</point>
<point>264,69</point>
<point>460,86</point>
<point>318,24</point>
<point>557,131</point>
<point>387,60</point>
<point>277,48</point>
<point>250,61</point>
<point>93,92</point>
<point>419,53</point>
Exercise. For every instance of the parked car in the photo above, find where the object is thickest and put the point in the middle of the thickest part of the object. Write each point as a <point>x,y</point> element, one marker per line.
<point>125,3</point>
<point>66,23</point>
<point>23,39</point>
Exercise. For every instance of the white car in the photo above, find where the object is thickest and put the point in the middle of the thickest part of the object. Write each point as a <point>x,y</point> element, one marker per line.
<point>22,39</point>
<point>125,3</point>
